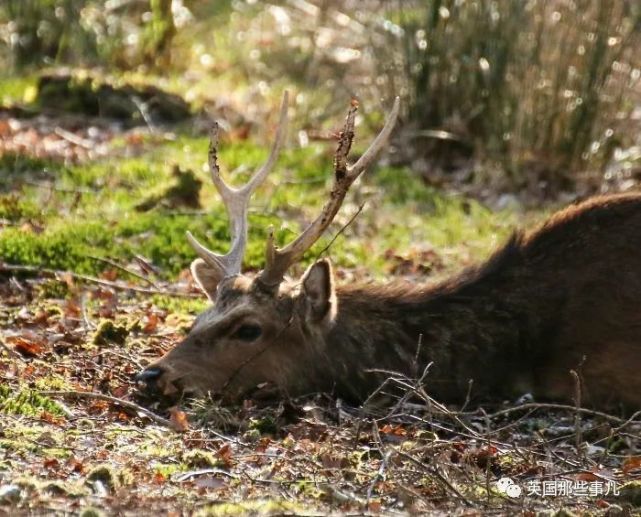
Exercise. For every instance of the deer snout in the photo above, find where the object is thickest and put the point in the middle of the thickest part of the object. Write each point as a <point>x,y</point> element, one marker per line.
<point>149,377</point>
<point>158,380</point>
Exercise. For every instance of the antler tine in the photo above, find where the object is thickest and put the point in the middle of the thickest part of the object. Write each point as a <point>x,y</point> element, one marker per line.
<point>279,260</point>
<point>260,175</point>
<point>236,200</point>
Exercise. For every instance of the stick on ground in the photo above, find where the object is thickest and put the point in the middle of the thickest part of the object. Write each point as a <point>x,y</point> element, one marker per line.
<point>54,273</point>
<point>119,402</point>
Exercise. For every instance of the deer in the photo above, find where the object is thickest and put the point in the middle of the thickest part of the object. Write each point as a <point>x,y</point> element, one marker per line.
<point>552,305</point>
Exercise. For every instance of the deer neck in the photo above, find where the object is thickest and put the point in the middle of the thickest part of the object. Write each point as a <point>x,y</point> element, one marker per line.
<point>473,326</point>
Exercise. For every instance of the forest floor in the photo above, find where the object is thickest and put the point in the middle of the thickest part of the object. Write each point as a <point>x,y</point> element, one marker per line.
<point>94,284</point>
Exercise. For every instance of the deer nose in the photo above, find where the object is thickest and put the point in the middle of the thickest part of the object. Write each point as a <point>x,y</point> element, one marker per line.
<point>149,377</point>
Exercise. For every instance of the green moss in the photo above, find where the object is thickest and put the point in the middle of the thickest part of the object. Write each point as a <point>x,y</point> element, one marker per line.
<point>257,507</point>
<point>185,306</point>
<point>631,493</point>
<point>265,425</point>
<point>26,402</point>
<point>184,191</point>
<point>109,476</point>
<point>14,165</point>
<point>53,288</point>
<point>61,488</point>
<point>16,89</point>
<point>167,470</point>
<point>200,459</point>
<point>104,221</point>
<point>65,249</point>
<point>51,382</point>
<point>15,208</point>
<point>27,483</point>
<point>109,332</point>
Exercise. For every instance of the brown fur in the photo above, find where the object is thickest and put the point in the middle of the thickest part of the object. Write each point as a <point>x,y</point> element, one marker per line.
<point>565,296</point>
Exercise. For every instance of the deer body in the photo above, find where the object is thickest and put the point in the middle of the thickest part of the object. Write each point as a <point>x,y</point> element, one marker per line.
<point>564,297</point>
<point>546,303</point>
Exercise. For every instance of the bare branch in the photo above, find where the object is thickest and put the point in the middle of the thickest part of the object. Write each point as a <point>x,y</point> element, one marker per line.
<point>55,273</point>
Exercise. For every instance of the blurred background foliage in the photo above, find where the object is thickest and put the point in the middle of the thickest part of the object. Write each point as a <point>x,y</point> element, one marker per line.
<point>518,94</point>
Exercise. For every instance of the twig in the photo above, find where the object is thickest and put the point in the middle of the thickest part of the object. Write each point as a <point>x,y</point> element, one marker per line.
<point>385,456</point>
<point>186,476</point>
<point>434,471</point>
<point>74,139</point>
<point>563,407</point>
<point>106,283</point>
<point>85,315</point>
<point>339,232</point>
<point>417,355</point>
<point>115,264</point>
<point>143,109</point>
<point>468,395</point>
<point>488,424</point>
<point>122,403</point>
<point>343,496</point>
<point>578,438</point>
<point>629,421</point>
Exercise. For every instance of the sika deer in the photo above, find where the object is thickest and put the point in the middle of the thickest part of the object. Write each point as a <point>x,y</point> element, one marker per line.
<point>565,296</point>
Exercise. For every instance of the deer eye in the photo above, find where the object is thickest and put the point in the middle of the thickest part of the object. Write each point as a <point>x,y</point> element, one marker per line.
<point>248,332</point>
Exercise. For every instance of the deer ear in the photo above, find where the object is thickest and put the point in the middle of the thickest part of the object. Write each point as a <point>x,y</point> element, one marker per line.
<point>318,289</point>
<point>206,277</point>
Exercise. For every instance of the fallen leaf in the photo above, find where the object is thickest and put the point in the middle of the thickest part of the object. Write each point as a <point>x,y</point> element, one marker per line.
<point>72,308</point>
<point>98,407</point>
<point>632,463</point>
<point>151,323</point>
<point>586,476</point>
<point>26,347</point>
<point>51,463</point>
<point>225,454</point>
<point>76,465</point>
<point>394,430</point>
<point>178,419</point>
<point>50,418</point>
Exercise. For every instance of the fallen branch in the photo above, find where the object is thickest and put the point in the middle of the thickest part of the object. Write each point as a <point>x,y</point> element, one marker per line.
<point>115,264</point>
<point>563,407</point>
<point>74,139</point>
<point>186,476</point>
<point>14,268</point>
<point>107,398</point>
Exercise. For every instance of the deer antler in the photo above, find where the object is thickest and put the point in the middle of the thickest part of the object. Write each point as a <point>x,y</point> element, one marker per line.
<point>278,260</point>
<point>236,201</point>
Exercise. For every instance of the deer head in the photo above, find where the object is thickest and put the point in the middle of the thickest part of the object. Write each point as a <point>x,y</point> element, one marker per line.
<point>261,330</point>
